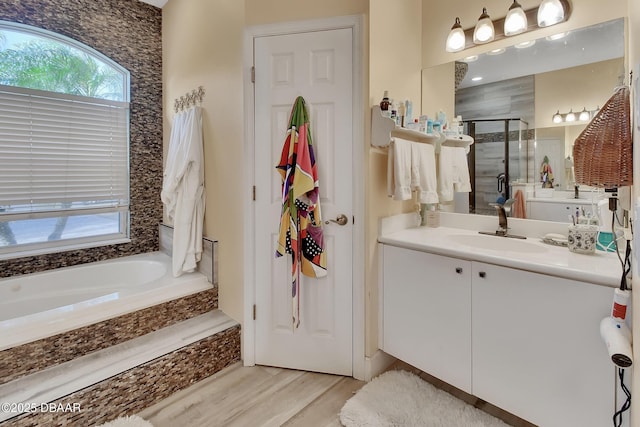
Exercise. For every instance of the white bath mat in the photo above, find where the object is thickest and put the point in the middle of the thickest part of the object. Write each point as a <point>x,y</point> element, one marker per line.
<point>400,398</point>
<point>132,421</point>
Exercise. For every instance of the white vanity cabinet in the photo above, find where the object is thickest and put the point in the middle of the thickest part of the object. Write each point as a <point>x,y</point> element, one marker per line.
<point>526,342</point>
<point>427,313</point>
<point>536,347</point>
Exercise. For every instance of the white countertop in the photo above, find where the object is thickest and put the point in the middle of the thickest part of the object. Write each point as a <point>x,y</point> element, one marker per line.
<point>599,268</point>
<point>563,200</point>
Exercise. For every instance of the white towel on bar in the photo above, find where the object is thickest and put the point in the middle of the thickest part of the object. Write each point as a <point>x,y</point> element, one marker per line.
<point>453,173</point>
<point>423,172</point>
<point>399,170</point>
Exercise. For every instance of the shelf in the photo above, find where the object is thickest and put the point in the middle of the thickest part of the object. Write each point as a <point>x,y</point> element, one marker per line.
<point>384,129</point>
<point>463,141</point>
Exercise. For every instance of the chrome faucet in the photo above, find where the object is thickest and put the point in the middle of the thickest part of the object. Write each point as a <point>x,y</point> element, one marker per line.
<point>503,210</point>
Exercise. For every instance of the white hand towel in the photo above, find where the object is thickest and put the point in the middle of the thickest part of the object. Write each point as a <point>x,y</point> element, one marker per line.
<point>453,173</point>
<point>423,172</point>
<point>399,170</point>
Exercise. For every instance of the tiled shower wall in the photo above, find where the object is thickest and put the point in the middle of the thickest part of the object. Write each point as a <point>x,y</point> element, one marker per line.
<point>130,33</point>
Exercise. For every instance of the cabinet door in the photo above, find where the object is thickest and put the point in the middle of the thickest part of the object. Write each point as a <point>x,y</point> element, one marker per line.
<point>427,313</point>
<point>536,347</point>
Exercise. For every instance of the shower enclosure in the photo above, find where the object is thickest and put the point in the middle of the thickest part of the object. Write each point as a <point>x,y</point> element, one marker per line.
<point>497,158</point>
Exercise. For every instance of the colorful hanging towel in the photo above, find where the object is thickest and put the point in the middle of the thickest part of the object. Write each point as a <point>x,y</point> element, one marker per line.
<point>546,174</point>
<point>300,221</point>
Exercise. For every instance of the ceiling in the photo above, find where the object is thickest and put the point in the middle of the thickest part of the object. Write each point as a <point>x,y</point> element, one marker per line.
<point>579,47</point>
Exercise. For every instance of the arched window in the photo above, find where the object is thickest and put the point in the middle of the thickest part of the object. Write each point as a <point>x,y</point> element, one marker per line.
<point>64,144</point>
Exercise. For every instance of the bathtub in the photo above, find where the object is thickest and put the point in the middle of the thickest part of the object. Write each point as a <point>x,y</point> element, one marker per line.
<point>40,305</point>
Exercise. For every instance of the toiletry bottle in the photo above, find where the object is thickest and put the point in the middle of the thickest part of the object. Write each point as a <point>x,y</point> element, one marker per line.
<point>422,124</point>
<point>394,111</point>
<point>401,114</point>
<point>460,125</point>
<point>408,115</point>
<point>454,126</point>
<point>384,104</point>
<point>429,125</point>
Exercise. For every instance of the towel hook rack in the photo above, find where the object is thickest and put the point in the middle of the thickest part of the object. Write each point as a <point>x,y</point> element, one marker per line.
<point>189,99</point>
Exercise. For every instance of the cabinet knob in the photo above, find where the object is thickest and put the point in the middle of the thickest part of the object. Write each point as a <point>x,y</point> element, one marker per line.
<point>459,270</point>
<point>482,274</point>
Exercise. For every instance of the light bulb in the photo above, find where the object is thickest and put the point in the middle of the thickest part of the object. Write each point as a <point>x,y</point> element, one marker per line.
<point>516,20</point>
<point>557,117</point>
<point>484,31</point>
<point>456,39</point>
<point>584,115</point>
<point>571,117</point>
<point>550,12</point>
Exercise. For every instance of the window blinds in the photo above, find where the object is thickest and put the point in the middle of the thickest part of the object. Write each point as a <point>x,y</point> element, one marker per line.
<point>60,152</point>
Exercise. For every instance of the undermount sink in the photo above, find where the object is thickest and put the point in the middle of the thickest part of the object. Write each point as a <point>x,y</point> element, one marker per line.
<point>497,243</point>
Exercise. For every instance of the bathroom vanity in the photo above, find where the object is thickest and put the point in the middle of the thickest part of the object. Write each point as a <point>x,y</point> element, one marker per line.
<point>513,322</point>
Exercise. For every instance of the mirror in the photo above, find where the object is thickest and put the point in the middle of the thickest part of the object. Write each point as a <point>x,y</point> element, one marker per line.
<point>508,99</point>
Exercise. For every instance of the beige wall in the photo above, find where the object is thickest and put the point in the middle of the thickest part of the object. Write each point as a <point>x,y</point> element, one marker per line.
<point>565,89</point>
<point>266,12</point>
<point>437,89</point>
<point>395,54</point>
<point>202,46</point>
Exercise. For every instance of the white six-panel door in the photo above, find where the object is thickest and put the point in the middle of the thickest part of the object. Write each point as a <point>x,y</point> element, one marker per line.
<point>318,66</point>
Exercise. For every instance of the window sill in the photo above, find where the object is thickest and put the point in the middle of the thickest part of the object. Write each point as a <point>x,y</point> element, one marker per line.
<point>62,248</point>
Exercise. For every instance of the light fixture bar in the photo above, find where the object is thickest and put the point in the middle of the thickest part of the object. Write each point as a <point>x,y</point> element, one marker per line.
<point>498,25</point>
<point>579,117</point>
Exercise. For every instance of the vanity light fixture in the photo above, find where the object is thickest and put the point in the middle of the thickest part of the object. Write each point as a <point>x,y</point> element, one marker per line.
<point>584,116</point>
<point>484,32</point>
<point>550,12</point>
<point>516,20</point>
<point>456,40</point>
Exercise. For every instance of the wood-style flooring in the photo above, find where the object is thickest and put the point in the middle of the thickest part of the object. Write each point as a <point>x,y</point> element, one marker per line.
<point>256,396</point>
<point>262,396</point>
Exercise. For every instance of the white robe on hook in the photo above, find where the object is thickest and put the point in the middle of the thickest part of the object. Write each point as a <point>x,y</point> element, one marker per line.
<point>183,189</point>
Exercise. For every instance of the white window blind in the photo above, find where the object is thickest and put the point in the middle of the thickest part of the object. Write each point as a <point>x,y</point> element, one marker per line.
<point>61,152</point>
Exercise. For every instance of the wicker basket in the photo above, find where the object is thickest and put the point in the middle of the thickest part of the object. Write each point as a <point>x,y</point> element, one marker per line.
<point>603,152</point>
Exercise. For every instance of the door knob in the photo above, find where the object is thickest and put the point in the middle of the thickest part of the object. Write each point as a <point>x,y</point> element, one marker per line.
<point>340,220</point>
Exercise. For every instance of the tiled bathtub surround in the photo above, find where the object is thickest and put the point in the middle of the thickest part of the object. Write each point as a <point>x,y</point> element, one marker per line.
<point>142,386</point>
<point>208,264</point>
<point>130,33</point>
<point>32,357</point>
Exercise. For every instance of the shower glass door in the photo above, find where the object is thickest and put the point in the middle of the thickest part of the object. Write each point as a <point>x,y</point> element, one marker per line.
<point>497,158</point>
